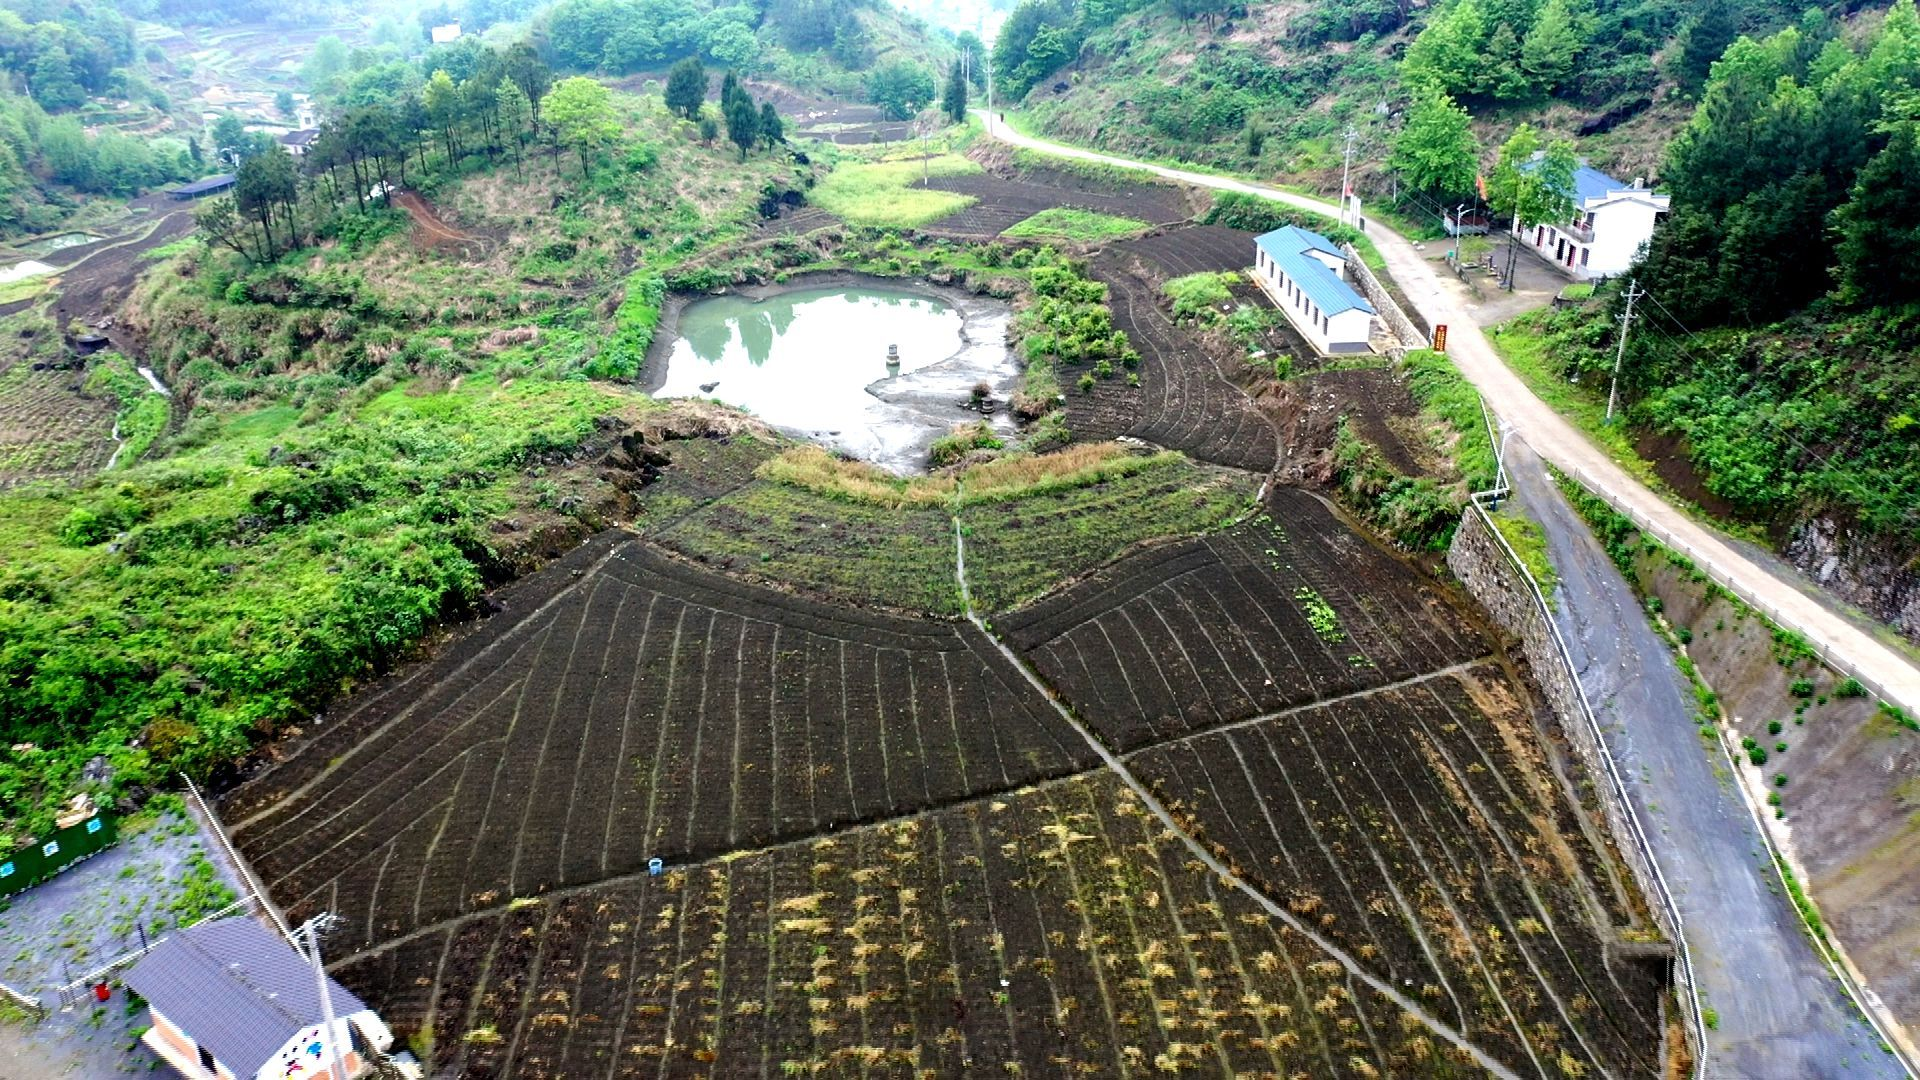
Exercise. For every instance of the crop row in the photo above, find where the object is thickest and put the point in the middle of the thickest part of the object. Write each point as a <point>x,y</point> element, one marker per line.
<point>648,709</point>
<point>1411,831</point>
<point>48,430</point>
<point>1057,931</point>
<point>1245,622</point>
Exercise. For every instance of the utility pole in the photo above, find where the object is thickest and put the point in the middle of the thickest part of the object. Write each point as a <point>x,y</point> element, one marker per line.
<point>337,1065</point>
<point>1634,292</point>
<point>989,92</point>
<point>1346,171</point>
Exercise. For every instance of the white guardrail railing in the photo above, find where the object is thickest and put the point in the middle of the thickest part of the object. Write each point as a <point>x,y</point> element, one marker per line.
<point>1616,788</point>
<point>1820,646</point>
<point>1865,1000</point>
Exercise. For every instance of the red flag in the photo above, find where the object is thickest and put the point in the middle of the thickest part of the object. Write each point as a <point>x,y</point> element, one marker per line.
<point>1480,182</point>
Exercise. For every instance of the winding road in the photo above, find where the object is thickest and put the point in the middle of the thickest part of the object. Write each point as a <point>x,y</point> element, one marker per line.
<point>1558,442</point>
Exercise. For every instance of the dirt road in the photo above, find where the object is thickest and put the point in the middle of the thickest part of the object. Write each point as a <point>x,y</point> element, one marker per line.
<point>1845,644</point>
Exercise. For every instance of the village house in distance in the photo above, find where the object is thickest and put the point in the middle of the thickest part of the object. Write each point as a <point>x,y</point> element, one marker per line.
<point>1305,275</point>
<point>233,1001</point>
<point>1611,222</point>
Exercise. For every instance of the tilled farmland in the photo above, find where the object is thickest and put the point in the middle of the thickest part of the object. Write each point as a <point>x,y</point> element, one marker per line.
<point>1122,776</point>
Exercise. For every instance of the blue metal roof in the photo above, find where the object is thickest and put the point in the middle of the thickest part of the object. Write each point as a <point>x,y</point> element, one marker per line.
<point>1288,245</point>
<point>235,989</point>
<point>1589,182</point>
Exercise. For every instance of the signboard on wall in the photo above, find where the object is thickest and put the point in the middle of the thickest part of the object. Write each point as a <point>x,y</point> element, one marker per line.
<point>54,852</point>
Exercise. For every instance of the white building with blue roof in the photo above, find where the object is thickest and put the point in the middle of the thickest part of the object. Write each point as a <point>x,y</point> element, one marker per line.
<point>1611,223</point>
<point>1305,275</point>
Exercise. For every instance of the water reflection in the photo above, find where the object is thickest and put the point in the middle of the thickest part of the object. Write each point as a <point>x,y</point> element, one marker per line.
<point>813,361</point>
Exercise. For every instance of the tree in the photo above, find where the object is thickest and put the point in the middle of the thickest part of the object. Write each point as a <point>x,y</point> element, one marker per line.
<point>53,83</point>
<point>1704,40</point>
<point>530,73</point>
<point>687,87</point>
<point>265,188</point>
<point>1553,42</point>
<point>709,126</point>
<point>954,101</point>
<point>1450,53</point>
<point>442,99</point>
<point>283,101</point>
<point>1879,224</point>
<point>324,64</point>
<point>733,44</point>
<point>743,122</point>
<point>772,131</point>
<point>581,112</point>
<point>901,89</point>
<point>1530,185</point>
<point>1436,151</point>
<point>514,112</point>
<point>229,135</point>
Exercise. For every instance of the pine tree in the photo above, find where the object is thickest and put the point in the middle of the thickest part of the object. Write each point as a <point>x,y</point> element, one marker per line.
<point>953,101</point>
<point>1548,51</point>
<point>687,87</point>
<point>53,84</point>
<point>772,131</point>
<point>743,122</point>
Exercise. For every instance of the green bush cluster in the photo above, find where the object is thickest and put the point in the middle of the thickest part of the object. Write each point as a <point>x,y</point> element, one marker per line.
<point>949,449</point>
<point>1066,324</point>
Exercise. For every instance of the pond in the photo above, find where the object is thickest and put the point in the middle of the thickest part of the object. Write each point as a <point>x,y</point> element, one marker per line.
<point>47,245</point>
<point>813,361</point>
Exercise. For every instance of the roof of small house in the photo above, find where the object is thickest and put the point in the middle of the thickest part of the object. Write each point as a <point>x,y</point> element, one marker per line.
<point>1288,245</point>
<point>205,184</point>
<point>303,137</point>
<point>237,989</point>
<point>1592,185</point>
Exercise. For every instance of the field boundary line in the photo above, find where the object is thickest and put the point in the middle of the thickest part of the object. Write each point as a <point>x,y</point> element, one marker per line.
<point>1865,1001</point>
<point>246,872</point>
<point>1617,789</point>
<point>1199,851</point>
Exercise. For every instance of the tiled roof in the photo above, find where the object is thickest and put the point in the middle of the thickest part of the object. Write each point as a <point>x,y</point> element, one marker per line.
<point>235,988</point>
<point>1288,245</point>
<point>210,183</point>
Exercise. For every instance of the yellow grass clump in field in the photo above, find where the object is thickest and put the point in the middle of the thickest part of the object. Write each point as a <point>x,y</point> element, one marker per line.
<point>1012,477</point>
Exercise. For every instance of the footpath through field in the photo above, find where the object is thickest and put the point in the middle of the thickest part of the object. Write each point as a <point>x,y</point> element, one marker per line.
<point>1845,644</point>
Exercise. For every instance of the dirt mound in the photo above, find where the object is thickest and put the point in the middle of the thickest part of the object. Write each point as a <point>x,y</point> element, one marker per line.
<point>432,233</point>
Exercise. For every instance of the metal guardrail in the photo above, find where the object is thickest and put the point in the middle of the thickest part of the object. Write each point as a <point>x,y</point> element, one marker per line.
<point>1828,951</point>
<point>1617,787</point>
<point>239,864</point>
<point>1821,647</point>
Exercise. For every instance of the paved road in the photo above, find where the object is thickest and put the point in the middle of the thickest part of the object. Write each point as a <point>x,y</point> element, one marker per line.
<point>1781,1012</point>
<point>1558,442</point>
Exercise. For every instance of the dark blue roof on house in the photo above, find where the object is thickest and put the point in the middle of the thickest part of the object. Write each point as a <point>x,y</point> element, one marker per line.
<point>1591,183</point>
<point>205,184</point>
<point>1288,245</point>
<point>237,989</point>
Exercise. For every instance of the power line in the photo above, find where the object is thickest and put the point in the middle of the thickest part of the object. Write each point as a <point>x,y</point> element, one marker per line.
<point>1771,419</point>
<point>1620,353</point>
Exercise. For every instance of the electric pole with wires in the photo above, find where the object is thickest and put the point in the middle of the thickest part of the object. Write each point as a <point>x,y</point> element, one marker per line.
<point>1634,293</point>
<point>1346,172</point>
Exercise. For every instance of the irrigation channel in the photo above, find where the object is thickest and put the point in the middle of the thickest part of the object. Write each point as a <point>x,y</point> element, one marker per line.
<point>874,371</point>
<point>1198,850</point>
<point>120,444</point>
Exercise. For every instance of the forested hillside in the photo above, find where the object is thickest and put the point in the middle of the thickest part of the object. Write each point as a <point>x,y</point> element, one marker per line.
<point>1779,343</point>
<point>1269,87</point>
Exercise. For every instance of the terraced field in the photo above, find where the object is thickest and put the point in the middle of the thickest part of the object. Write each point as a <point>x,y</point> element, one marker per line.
<point>1114,771</point>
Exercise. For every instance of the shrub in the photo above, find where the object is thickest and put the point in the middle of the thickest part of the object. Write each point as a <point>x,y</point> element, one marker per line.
<point>1801,688</point>
<point>948,449</point>
<point>1774,727</point>
<point>1850,687</point>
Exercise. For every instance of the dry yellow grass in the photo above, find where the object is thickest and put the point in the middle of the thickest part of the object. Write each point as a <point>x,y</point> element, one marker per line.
<point>1013,477</point>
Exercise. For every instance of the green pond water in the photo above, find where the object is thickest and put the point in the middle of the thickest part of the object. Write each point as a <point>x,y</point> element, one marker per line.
<point>813,361</point>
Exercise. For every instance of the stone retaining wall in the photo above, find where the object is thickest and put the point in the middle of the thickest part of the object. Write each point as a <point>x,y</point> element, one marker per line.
<point>1480,560</point>
<point>1383,302</point>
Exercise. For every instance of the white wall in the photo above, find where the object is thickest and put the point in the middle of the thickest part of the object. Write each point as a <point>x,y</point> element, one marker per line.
<point>368,1022</point>
<point>1619,230</point>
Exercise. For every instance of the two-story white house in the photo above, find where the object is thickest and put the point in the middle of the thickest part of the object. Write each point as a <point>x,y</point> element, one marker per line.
<point>231,1000</point>
<point>1304,274</point>
<point>1611,223</point>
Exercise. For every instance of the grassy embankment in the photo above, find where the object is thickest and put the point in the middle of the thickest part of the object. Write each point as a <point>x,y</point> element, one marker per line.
<point>361,414</point>
<point>1080,226</point>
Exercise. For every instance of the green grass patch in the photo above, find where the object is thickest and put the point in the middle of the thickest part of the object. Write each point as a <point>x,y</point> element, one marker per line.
<point>1529,542</point>
<point>886,193</point>
<point>836,548</point>
<point>1082,226</point>
<point>1020,548</point>
<point>1447,396</point>
<point>1199,295</point>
